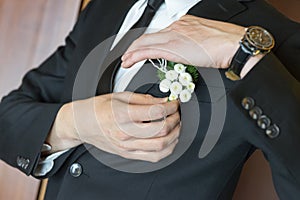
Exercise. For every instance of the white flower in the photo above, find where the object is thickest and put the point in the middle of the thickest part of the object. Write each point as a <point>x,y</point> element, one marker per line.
<point>185,96</point>
<point>173,97</point>
<point>176,88</point>
<point>185,79</point>
<point>177,81</point>
<point>179,68</point>
<point>191,87</point>
<point>172,75</point>
<point>164,85</point>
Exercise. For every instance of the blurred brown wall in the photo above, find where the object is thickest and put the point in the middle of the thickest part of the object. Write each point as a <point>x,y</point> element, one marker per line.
<point>290,8</point>
<point>29,32</point>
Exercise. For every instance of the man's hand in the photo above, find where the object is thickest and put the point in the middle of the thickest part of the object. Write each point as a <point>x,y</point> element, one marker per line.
<point>134,126</point>
<point>190,40</point>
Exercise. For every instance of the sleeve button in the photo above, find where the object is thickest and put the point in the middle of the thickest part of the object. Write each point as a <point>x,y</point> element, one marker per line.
<point>273,131</point>
<point>248,103</point>
<point>255,113</point>
<point>19,161</point>
<point>264,122</point>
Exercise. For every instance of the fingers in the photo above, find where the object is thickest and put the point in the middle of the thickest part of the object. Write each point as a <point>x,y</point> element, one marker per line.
<point>154,45</point>
<point>170,123</point>
<point>150,149</point>
<point>152,156</point>
<point>152,129</point>
<point>172,43</point>
<point>132,107</point>
<point>136,98</point>
<point>150,144</point>
<point>165,51</point>
<point>142,120</point>
<point>120,126</point>
<point>140,113</point>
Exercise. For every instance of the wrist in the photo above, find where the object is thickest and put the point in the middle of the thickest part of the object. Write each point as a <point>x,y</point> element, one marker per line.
<point>63,134</point>
<point>250,64</point>
<point>255,44</point>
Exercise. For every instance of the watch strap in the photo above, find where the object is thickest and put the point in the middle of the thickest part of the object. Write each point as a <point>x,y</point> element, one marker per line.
<point>238,62</point>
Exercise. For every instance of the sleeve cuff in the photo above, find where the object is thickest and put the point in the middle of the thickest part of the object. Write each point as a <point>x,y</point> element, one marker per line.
<point>45,165</point>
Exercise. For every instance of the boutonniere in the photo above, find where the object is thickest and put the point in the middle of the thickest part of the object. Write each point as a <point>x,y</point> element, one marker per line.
<point>177,79</point>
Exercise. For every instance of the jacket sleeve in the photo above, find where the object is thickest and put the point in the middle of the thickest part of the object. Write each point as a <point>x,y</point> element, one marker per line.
<point>27,113</point>
<point>274,86</point>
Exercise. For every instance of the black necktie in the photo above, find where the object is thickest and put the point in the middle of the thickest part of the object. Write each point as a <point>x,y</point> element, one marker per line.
<point>105,84</point>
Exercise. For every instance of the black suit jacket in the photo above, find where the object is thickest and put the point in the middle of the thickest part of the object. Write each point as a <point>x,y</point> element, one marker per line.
<point>27,114</point>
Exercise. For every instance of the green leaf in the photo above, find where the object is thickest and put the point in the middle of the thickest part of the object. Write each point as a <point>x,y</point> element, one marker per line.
<point>170,65</point>
<point>193,71</point>
<point>161,75</point>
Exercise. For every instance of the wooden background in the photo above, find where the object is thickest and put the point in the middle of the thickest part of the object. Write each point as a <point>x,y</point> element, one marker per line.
<point>32,30</point>
<point>29,32</point>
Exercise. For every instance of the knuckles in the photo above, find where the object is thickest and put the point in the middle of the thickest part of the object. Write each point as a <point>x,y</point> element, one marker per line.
<point>161,145</point>
<point>164,131</point>
<point>151,156</point>
<point>155,159</point>
<point>121,136</point>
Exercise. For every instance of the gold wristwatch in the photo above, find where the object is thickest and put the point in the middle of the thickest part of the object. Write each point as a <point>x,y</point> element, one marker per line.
<point>256,40</point>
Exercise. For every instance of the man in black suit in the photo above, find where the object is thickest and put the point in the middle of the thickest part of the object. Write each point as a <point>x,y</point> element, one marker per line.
<point>105,152</point>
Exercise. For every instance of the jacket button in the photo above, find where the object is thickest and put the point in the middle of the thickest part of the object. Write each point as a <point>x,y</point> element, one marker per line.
<point>19,161</point>
<point>248,103</point>
<point>26,164</point>
<point>23,162</point>
<point>273,131</point>
<point>76,170</point>
<point>263,122</point>
<point>255,113</point>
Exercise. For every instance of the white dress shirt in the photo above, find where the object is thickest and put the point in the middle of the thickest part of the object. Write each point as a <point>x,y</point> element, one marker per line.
<point>169,12</point>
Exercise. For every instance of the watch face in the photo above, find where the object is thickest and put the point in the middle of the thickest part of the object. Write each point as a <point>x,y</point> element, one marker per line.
<point>260,38</point>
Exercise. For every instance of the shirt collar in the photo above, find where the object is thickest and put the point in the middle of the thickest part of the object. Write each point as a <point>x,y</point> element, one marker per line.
<point>175,6</point>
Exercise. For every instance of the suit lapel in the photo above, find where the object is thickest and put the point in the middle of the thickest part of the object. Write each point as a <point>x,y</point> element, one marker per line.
<point>94,33</point>
<point>218,9</point>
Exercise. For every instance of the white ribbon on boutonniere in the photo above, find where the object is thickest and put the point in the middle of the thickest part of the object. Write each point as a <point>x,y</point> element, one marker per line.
<point>176,78</point>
